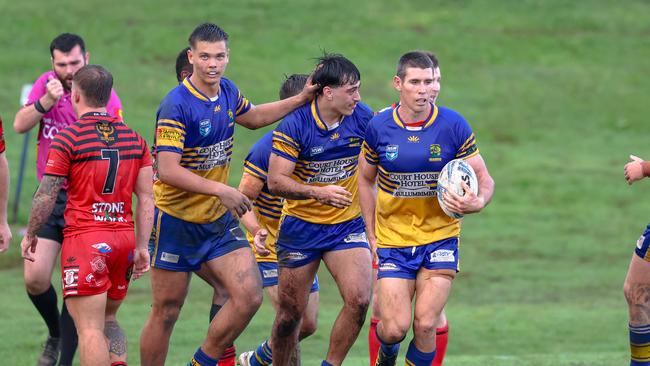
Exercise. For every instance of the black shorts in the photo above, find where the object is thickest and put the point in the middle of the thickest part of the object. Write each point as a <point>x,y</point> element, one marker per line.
<point>53,228</point>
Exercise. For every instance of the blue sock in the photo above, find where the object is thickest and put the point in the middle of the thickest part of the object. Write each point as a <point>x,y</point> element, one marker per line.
<point>201,359</point>
<point>640,345</point>
<point>325,363</point>
<point>389,350</point>
<point>263,355</point>
<point>415,357</point>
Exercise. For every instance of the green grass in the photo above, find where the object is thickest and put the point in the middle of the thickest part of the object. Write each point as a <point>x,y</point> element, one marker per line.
<point>555,91</point>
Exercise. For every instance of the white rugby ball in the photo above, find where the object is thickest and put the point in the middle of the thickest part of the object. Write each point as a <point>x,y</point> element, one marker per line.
<point>450,176</point>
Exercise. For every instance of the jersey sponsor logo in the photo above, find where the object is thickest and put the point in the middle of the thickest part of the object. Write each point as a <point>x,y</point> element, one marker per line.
<point>414,184</point>
<point>214,155</point>
<point>270,273</point>
<point>388,267</point>
<point>108,211</point>
<point>316,150</point>
<point>434,152</point>
<point>98,264</point>
<point>169,257</point>
<point>442,255</point>
<point>51,128</point>
<point>238,233</point>
<point>392,152</point>
<point>231,116</point>
<point>102,248</point>
<point>90,278</point>
<point>106,132</point>
<point>335,136</point>
<point>413,139</point>
<point>356,238</point>
<point>205,126</point>
<point>70,277</point>
<point>168,134</point>
<point>217,109</point>
<point>639,243</point>
<point>70,259</point>
<point>294,256</point>
<point>331,171</point>
<point>354,142</point>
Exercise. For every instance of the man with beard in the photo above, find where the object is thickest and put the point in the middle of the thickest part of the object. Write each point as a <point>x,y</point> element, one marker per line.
<point>49,106</point>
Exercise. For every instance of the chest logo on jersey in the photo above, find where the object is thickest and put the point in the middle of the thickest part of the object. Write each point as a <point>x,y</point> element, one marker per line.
<point>354,142</point>
<point>391,152</point>
<point>334,136</point>
<point>413,139</point>
<point>106,132</point>
<point>316,150</point>
<point>204,127</point>
<point>217,109</point>
<point>434,152</point>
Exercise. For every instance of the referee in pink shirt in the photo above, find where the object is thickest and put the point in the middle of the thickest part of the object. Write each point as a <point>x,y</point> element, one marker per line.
<point>49,107</point>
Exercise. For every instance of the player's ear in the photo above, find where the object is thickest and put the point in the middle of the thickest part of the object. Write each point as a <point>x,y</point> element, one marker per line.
<point>87,57</point>
<point>327,92</point>
<point>397,83</point>
<point>190,56</point>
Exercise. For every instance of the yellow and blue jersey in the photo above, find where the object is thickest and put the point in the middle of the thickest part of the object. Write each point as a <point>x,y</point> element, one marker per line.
<point>267,206</point>
<point>323,156</point>
<point>201,130</point>
<point>408,162</point>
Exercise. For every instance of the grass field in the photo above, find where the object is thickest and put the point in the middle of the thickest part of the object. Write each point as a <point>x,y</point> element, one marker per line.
<point>553,89</point>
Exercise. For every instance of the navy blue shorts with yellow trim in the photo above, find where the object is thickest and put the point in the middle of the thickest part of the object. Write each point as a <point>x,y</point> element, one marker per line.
<point>181,246</point>
<point>643,245</point>
<point>269,273</point>
<point>301,242</point>
<point>406,262</point>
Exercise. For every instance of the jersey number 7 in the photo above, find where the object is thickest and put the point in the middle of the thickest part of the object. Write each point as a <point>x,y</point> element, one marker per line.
<point>113,157</point>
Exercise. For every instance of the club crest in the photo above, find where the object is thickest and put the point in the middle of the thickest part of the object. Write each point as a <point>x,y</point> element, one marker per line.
<point>391,152</point>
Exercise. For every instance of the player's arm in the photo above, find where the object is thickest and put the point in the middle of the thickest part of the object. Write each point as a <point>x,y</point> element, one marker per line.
<point>171,172</point>
<point>281,184</point>
<point>5,231</point>
<point>30,115</point>
<point>42,206</point>
<point>470,202</point>
<point>636,169</point>
<point>143,220</point>
<point>251,186</point>
<point>368,197</point>
<point>265,114</point>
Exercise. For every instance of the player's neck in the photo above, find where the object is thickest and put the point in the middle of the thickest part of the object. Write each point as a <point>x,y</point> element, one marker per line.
<point>209,90</point>
<point>81,110</point>
<point>328,114</point>
<point>408,115</point>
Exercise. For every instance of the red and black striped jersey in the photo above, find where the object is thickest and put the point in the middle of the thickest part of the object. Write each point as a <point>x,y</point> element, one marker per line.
<point>2,138</point>
<point>101,158</point>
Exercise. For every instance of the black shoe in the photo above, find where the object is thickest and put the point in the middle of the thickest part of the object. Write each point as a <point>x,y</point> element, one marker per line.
<point>50,354</point>
<point>384,360</point>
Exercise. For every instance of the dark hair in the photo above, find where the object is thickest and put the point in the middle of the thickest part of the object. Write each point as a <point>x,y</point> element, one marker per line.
<point>183,64</point>
<point>417,59</point>
<point>292,85</point>
<point>95,83</point>
<point>433,58</point>
<point>334,70</point>
<point>65,42</point>
<point>207,32</point>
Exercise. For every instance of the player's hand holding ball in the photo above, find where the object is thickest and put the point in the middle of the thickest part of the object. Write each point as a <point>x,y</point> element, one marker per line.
<point>458,189</point>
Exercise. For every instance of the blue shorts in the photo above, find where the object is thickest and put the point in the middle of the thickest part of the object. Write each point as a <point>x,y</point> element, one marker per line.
<point>269,273</point>
<point>181,246</point>
<point>406,262</point>
<point>643,244</point>
<point>300,242</point>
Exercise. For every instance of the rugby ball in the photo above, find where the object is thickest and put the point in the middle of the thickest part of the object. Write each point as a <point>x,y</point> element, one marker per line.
<point>454,172</point>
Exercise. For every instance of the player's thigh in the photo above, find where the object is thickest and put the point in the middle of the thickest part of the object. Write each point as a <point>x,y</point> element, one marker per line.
<point>394,298</point>
<point>220,293</point>
<point>111,308</point>
<point>88,312</point>
<point>352,271</point>
<point>432,288</point>
<point>40,270</point>
<point>237,271</point>
<point>294,285</point>
<point>310,317</point>
<point>169,288</point>
<point>272,292</point>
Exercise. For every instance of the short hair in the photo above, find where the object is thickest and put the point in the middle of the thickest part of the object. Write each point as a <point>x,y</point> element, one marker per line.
<point>65,42</point>
<point>207,32</point>
<point>334,70</point>
<point>183,64</point>
<point>293,85</point>
<point>433,58</point>
<point>417,59</point>
<point>95,83</point>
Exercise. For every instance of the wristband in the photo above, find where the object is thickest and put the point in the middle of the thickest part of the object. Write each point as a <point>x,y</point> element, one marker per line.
<point>39,107</point>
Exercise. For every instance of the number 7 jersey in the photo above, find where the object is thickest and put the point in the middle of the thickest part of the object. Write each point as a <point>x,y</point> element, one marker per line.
<point>101,157</point>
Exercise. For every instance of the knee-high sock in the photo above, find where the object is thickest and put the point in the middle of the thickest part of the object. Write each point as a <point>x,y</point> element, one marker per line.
<point>69,338</point>
<point>640,345</point>
<point>46,304</point>
<point>373,342</point>
<point>415,357</point>
<point>442,335</point>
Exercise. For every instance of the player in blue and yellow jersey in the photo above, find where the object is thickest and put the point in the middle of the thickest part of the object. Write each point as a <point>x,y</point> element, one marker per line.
<point>267,209</point>
<point>314,167</point>
<point>416,243</point>
<point>637,280</point>
<point>195,219</point>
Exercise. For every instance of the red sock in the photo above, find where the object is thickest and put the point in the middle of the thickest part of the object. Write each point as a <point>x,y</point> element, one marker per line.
<point>373,342</point>
<point>119,363</point>
<point>228,357</point>
<point>441,344</point>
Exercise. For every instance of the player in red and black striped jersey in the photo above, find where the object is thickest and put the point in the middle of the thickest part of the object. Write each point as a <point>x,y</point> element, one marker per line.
<point>5,232</point>
<point>104,163</point>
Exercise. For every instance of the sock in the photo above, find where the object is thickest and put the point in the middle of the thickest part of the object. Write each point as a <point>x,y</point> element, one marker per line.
<point>214,309</point>
<point>441,344</point>
<point>46,305</point>
<point>325,363</point>
<point>373,342</point>
<point>119,363</point>
<point>415,357</point>
<point>228,357</point>
<point>640,345</point>
<point>263,355</point>
<point>69,339</point>
<point>389,350</point>
<point>201,359</point>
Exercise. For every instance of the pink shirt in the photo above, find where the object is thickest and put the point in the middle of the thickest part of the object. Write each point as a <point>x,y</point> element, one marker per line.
<point>59,117</point>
